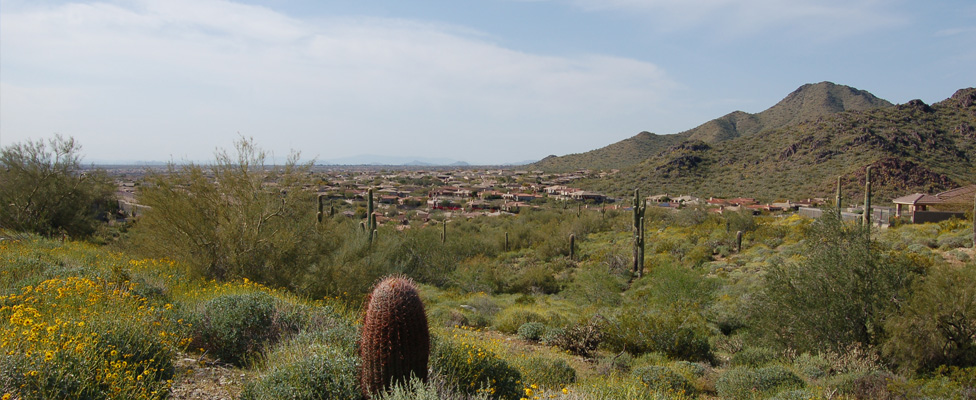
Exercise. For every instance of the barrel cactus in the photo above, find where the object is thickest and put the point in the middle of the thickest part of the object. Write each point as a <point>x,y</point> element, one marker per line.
<point>395,342</point>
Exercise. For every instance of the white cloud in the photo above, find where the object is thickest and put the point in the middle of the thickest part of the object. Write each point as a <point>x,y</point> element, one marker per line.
<point>811,19</point>
<point>177,72</point>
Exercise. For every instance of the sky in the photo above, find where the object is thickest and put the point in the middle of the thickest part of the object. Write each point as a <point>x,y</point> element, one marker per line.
<point>485,82</point>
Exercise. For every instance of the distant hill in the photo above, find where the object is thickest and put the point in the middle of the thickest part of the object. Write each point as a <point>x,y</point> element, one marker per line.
<point>379,160</point>
<point>808,102</point>
<point>913,147</point>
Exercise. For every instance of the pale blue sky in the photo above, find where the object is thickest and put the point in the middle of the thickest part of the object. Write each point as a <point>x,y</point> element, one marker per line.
<point>480,81</point>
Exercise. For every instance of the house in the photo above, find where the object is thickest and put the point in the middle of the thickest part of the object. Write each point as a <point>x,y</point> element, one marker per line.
<point>584,196</point>
<point>939,207</point>
<point>520,197</point>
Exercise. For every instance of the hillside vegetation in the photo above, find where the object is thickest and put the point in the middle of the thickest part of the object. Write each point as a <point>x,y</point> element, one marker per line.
<point>806,309</point>
<point>808,102</point>
<point>913,147</point>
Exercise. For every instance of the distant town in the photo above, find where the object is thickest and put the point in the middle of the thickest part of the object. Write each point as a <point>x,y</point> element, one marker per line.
<point>412,194</point>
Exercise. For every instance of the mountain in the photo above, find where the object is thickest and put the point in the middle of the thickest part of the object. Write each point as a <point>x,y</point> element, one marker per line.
<point>626,152</point>
<point>808,102</point>
<point>913,147</point>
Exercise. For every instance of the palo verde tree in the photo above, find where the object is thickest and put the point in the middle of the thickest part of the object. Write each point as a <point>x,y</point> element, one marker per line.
<point>838,295</point>
<point>44,189</point>
<point>236,218</point>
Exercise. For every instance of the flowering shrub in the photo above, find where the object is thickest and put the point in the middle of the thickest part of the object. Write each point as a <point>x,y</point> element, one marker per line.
<point>474,368</point>
<point>80,337</point>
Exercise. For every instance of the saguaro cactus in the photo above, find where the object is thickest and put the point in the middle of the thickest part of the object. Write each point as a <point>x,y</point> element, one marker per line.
<point>369,209</point>
<point>395,340</point>
<point>572,246</point>
<point>838,200</point>
<point>321,207</point>
<point>974,222</point>
<point>506,241</point>
<point>639,208</point>
<point>444,232</point>
<point>738,241</point>
<point>867,198</point>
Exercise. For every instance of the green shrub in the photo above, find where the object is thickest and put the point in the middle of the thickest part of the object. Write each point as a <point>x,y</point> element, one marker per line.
<point>323,373</point>
<point>235,328</point>
<point>812,366</point>
<point>838,295</point>
<point>433,389</point>
<point>937,324</point>
<point>551,335</point>
<point>864,385</point>
<point>472,369</point>
<point>44,189</point>
<point>694,369</point>
<point>951,241</point>
<point>319,363</point>
<point>748,383</point>
<point>796,394</point>
<point>638,331</point>
<point>663,379</point>
<point>509,320</point>
<point>531,331</point>
<point>754,357</point>
<point>547,372</point>
<point>224,222</point>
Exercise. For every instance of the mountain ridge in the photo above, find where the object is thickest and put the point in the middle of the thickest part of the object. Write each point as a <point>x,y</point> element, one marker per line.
<point>807,102</point>
<point>913,147</point>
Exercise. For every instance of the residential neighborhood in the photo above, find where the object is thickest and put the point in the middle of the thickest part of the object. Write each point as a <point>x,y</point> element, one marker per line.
<point>407,195</point>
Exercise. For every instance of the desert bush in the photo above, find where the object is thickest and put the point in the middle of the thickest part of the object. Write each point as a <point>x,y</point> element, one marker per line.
<point>511,319</point>
<point>660,378</point>
<point>754,357</point>
<point>864,385</point>
<point>479,274</point>
<point>838,295</point>
<point>434,389</point>
<point>44,189</point>
<point>937,326</point>
<point>796,394</point>
<point>638,331</point>
<point>812,366</point>
<point>582,338</point>
<point>748,383</point>
<point>474,369</point>
<point>531,331</point>
<point>237,327</point>
<point>696,370</point>
<point>312,365</point>
<point>597,284</point>
<point>237,218</point>
<point>551,335</point>
<point>552,373</point>
<point>676,288</point>
<point>59,330</point>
